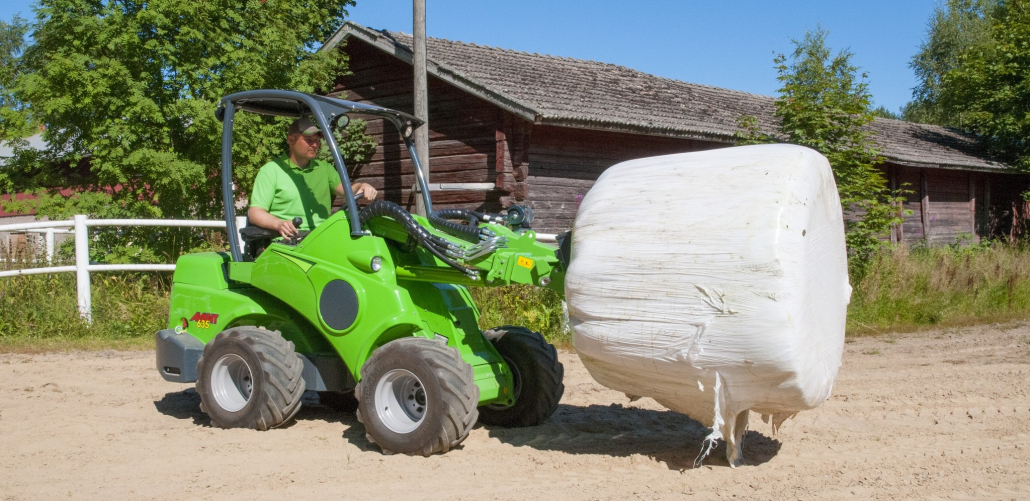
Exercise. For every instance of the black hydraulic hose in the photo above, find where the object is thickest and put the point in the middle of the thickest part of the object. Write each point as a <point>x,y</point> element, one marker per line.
<point>439,220</point>
<point>432,243</point>
<point>466,214</point>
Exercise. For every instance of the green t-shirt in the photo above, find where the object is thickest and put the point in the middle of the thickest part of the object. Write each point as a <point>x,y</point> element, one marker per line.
<point>287,191</point>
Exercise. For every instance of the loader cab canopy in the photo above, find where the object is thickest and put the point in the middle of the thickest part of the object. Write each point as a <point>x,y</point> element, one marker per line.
<point>327,113</point>
<point>284,103</point>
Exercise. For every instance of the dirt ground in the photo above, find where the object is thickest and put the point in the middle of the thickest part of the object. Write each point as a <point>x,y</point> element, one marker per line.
<point>934,415</point>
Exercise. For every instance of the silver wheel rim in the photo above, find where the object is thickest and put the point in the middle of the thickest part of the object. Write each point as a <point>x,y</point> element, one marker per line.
<point>400,401</point>
<point>232,381</point>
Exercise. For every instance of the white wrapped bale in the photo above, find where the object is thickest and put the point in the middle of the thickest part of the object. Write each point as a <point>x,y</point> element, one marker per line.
<point>714,282</point>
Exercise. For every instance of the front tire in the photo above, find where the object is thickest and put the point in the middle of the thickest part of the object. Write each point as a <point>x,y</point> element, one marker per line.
<point>250,377</point>
<point>537,375</point>
<point>417,396</point>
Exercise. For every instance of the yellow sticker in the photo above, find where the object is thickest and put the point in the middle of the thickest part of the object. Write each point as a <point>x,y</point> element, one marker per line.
<point>525,262</point>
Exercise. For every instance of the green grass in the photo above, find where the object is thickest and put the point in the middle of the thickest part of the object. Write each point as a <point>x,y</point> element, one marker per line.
<point>911,289</point>
<point>40,312</point>
<point>901,290</point>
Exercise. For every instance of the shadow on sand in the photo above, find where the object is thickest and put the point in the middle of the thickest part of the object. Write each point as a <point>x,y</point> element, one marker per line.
<point>185,404</point>
<point>663,436</point>
<point>616,430</point>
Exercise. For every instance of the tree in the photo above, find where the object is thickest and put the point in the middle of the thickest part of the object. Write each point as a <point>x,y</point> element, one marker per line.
<point>883,112</point>
<point>991,85</point>
<point>133,85</point>
<point>14,120</point>
<point>956,27</point>
<point>824,105</point>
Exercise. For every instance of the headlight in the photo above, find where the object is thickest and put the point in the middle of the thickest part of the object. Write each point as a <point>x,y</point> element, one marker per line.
<point>376,264</point>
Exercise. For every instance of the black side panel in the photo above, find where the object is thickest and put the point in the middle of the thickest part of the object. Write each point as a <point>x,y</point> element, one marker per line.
<point>338,305</point>
<point>564,250</point>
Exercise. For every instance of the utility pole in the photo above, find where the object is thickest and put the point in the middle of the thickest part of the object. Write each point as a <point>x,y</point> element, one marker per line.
<point>421,98</point>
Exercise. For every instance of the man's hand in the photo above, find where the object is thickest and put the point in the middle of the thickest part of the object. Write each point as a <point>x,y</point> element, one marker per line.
<point>261,217</point>
<point>367,191</point>
<point>286,229</point>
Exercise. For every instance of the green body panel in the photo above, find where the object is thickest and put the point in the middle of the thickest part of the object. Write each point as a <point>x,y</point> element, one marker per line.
<point>412,294</point>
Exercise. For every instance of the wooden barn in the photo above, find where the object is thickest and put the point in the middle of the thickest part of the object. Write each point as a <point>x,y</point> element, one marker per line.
<point>511,127</point>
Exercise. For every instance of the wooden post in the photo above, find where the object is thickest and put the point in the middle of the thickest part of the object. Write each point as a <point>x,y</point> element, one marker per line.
<point>892,175</point>
<point>972,206</point>
<point>986,215</point>
<point>421,96</point>
<point>924,204</point>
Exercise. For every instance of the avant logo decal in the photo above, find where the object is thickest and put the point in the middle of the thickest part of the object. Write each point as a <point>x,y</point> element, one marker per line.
<point>204,320</point>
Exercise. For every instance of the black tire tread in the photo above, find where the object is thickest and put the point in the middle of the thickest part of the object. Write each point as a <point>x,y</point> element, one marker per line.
<point>281,369</point>
<point>460,394</point>
<point>549,374</point>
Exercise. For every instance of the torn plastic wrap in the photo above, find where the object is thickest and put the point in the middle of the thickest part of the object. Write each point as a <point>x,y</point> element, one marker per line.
<point>714,282</point>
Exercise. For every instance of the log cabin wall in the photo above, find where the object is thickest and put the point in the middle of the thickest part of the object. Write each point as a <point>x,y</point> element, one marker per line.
<point>947,206</point>
<point>463,136</point>
<point>565,162</point>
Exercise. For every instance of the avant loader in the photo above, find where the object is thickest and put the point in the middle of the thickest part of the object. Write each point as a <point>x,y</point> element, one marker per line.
<point>370,308</point>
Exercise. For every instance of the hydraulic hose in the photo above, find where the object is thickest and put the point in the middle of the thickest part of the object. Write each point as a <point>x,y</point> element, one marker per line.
<point>435,245</point>
<point>440,220</point>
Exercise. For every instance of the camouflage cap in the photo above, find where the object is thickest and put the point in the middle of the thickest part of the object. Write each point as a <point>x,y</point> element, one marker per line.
<point>304,125</point>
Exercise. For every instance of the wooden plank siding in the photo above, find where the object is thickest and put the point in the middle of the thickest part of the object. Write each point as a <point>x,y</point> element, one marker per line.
<point>949,214</point>
<point>564,163</point>
<point>462,139</point>
<point>950,205</point>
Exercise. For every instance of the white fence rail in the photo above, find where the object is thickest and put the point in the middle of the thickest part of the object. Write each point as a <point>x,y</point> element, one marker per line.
<point>80,225</point>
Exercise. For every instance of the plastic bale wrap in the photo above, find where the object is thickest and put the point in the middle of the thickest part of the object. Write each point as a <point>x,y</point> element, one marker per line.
<point>714,282</point>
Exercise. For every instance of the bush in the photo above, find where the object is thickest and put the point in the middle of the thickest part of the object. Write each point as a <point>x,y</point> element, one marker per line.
<point>535,308</point>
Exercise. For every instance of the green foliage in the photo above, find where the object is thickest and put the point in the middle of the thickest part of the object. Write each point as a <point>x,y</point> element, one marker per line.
<point>883,112</point>
<point>957,27</point>
<point>14,119</point>
<point>824,105</point>
<point>749,132</point>
<point>133,86</point>
<point>991,85</point>
<point>907,289</point>
<point>41,312</point>
<point>535,308</point>
<point>356,147</point>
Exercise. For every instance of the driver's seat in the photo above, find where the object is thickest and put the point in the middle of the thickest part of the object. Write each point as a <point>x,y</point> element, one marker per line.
<point>255,240</point>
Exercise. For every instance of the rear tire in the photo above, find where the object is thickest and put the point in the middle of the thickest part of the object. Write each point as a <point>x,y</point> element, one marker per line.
<point>537,373</point>
<point>417,396</point>
<point>250,377</point>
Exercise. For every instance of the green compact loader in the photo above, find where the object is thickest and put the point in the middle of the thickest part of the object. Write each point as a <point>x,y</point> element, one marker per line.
<point>370,309</point>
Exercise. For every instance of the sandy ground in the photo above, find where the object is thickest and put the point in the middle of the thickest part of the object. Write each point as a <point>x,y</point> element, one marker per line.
<point>937,415</point>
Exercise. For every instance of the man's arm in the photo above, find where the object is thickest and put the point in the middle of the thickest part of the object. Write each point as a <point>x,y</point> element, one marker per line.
<point>367,191</point>
<point>261,217</point>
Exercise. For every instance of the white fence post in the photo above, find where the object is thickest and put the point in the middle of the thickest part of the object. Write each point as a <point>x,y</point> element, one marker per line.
<point>82,268</point>
<point>241,222</point>
<point>50,246</point>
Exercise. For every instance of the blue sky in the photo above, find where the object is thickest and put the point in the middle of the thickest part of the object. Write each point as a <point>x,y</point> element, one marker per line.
<point>727,43</point>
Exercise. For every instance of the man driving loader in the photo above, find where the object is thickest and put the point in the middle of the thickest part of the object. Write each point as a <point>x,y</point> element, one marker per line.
<point>298,185</point>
